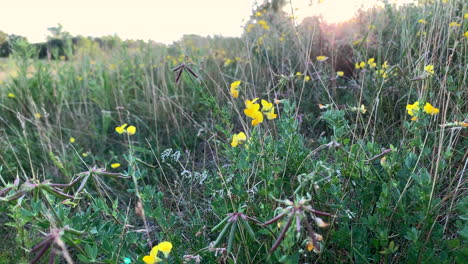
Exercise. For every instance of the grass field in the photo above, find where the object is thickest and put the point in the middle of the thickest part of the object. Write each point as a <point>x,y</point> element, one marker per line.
<point>296,143</point>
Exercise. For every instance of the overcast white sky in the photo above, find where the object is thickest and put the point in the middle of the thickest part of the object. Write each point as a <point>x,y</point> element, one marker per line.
<point>160,20</point>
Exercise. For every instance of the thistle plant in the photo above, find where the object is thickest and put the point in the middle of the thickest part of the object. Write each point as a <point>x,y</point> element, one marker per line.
<point>297,211</point>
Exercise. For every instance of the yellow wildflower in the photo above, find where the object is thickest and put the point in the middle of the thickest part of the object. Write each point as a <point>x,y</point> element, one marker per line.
<point>422,21</point>
<point>121,129</point>
<point>307,78</point>
<point>238,139</point>
<point>131,130</point>
<point>165,247</point>
<point>454,24</point>
<point>235,89</point>
<point>264,24</point>
<point>412,109</point>
<point>153,256</point>
<point>414,118</point>
<point>466,34</point>
<point>357,66</point>
<point>429,69</point>
<point>465,16</point>
<point>268,109</point>
<point>258,14</point>
<point>362,109</point>
<point>431,110</point>
<point>371,63</point>
<point>85,154</point>
<point>227,62</point>
<point>322,58</point>
<point>385,65</point>
<point>72,140</point>
<point>37,115</point>
<point>340,73</point>
<point>310,246</point>
<point>298,74</point>
<point>252,111</point>
<point>11,95</point>
<point>115,165</point>
<point>362,64</point>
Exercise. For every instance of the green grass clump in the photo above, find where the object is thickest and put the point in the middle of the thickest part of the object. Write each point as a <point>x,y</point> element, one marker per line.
<point>349,163</point>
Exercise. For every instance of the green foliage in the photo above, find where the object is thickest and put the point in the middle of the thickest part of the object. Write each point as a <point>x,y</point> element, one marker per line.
<point>352,180</point>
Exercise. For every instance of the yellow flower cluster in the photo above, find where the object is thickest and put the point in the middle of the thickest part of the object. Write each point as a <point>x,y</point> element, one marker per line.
<point>429,69</point>
<point>235,89</point>
<point>413,109</point>
<point>322,58</point>
<point>165,247</point>
<point>238,139</point>
<point>264,24</point>
<point>252,110</point>
<point>299,75</point>
<point>454,24</point>
<point>131,130</point>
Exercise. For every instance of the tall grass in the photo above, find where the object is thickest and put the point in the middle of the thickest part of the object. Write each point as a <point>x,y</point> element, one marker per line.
<point>394,187</point>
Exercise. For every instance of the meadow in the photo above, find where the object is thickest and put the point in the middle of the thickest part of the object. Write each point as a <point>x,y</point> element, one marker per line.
<point>295,143</point>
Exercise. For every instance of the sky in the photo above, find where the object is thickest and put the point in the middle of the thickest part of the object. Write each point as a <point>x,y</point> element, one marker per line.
<point>159,20</point>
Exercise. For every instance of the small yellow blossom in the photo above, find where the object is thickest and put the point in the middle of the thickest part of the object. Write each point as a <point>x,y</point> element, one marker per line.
<point>414,118</point>
<point>131,130</point>
<point>362,109</point>
<point>430,110</point>
<point>322,58</point>
<point>372,63</point>
<point>466,34</point>
<point>412,109</point>
<point>264,24</point>
<point>385,65</point>
<point>115,165</point>
<point>340,73</point>
<point>307,78</point>
<point>268,110</point>
<point>465,16</point>
<point>298,74</point>
<point>235,89</point>
<point>252,111</point>
<point>454,24</point>
<point>165,247</point>
<point>310,246</point>
<point>258,14</point>
<point>153,256</point>
<point>11,95</point>
<point>37,115</point>
<point>72,140</point>
<point>422,21</point>
<point>250,27</point>
<point>429,69</point>
<point>227,62</point>
<point>238,139</point>
<point>121,129</point>
<point>85,154</point>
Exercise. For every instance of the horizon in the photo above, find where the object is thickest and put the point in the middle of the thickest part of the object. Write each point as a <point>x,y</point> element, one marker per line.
<point>159,21</point>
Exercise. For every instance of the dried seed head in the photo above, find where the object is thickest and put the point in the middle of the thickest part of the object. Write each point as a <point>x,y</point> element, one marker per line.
<point>320,222</point>
<point>139,209</point>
